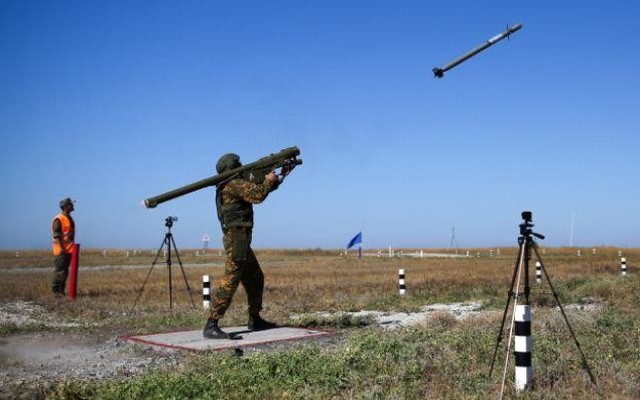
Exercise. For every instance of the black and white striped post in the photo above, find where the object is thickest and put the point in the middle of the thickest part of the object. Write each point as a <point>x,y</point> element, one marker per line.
<point>206,291</point>
<point>401,282</point>
<point>623,266</point>
<point>538,272</point>
<point>523,346</point>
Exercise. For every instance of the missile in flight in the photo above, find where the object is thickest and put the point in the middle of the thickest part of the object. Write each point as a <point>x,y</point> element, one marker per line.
<point>439,72</point>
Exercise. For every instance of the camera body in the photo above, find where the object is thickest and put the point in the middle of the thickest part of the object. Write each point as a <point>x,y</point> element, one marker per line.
<point>526,225</point>
<point>168,222</point>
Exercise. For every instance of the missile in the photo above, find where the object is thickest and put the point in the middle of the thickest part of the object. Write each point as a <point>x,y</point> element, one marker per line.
<point>439,72</point>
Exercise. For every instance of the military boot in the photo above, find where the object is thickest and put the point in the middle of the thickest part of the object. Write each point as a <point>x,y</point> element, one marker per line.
<point>256,323</point>
<point>213,331</point>
<point>57,289</point>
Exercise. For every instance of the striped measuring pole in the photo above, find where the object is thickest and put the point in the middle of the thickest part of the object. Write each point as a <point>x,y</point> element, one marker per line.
<point>538,272</point>
<point>523,346</point>
<point>206,291</point>
<point>401,282</point>
<point>623,266</point>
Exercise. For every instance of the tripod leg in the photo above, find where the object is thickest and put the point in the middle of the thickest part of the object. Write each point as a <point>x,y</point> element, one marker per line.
<point>148,275</point>
<point>585,364</point>
<point>184,276</point>
<point>506,308</point>
<point>167,240</point>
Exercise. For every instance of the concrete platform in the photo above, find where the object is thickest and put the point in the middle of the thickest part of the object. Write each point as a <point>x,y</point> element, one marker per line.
<point>194,341</point>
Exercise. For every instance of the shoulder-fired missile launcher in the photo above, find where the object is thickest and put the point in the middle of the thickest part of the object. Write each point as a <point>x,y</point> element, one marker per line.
<point>255,172</point>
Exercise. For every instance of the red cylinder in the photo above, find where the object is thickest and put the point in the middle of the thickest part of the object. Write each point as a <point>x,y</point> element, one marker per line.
<point>73,275</point>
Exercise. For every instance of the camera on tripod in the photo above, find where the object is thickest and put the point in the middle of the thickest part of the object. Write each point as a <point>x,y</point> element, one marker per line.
<point>526,225</point>
<point>168,222</point>
<point>520,328</point>
<point>166,248</point>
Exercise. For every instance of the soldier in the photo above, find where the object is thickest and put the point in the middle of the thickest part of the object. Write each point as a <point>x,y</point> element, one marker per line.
<point>63,231</point>
<point>234,202</point>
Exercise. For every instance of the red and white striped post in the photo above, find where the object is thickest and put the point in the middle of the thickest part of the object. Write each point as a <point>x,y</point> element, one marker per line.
<point>523,346</point>
<point>73,275</point>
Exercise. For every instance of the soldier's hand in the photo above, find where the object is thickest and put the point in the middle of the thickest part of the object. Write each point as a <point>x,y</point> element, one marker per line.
<point>272,177</point>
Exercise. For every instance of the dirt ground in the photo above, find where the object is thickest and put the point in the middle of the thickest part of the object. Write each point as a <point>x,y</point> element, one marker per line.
<point>34,362</point>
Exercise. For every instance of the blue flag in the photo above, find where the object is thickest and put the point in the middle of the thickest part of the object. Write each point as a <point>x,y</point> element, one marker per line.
<point>356,239</point>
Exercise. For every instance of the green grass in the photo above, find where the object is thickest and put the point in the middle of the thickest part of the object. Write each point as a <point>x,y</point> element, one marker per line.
<point>443,359</point>
<point>446,359</point>
<point>367,364</point>
<point>338,320</point>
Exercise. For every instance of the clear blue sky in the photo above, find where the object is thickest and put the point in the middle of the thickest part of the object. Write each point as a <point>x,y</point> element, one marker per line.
<point>111,102</point>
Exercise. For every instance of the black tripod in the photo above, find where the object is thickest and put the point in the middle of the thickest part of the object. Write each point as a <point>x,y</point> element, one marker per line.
<point>169,242</point>
<point>526,245</point>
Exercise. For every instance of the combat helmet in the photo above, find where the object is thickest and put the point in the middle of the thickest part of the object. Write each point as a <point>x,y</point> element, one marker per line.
<point>227,162</point>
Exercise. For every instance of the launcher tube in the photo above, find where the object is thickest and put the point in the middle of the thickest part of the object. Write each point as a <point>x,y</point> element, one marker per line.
<point>284,157</point>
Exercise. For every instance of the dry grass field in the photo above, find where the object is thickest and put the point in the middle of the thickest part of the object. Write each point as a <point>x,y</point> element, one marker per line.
<point>445,358</point>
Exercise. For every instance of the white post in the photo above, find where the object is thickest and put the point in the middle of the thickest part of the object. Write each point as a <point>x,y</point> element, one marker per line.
<point>523,346</point>
<point>538,272</point>
<point>578,253</point>
<point>390,252</point>
<point>206,291</point>
<point>421,253</point>
<point>401,282</point>
<point>623,266</point>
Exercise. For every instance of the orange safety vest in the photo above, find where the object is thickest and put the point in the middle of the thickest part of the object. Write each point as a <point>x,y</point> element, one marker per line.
<point>65,243</point>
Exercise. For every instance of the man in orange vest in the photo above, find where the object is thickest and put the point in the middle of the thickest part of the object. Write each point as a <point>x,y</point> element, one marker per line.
<point>64,231</point>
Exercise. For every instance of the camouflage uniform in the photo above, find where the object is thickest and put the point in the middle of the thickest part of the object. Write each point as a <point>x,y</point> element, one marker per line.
<point>61,264</point>
<point>241,265</point>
